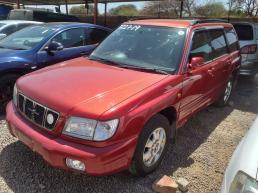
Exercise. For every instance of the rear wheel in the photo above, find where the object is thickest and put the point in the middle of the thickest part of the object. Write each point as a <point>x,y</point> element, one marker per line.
<point>151,147</point>
<point>6,89</point>
<point>224,99</point>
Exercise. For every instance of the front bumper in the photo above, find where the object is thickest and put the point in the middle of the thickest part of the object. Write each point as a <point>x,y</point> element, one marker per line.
<point>98,161</point>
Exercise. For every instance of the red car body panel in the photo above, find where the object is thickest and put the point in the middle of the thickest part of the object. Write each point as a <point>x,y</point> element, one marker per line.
<point>86,88</point>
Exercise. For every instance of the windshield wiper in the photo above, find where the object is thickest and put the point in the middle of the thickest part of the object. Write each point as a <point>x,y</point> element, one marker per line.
<point>107,61</point>
<point>127,66</point>
<point>157,70</point>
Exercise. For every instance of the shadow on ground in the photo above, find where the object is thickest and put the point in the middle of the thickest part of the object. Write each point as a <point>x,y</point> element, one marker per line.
<point>25,171</point>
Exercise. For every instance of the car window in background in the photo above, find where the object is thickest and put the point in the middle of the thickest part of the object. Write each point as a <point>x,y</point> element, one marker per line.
<point>143,47</point>
<point>256,31</point>
<point>218,43</point>
<point>201,45</point>
<point>71,38</point>
<point>2,24</point>
<point>26,38</point>
<point>9,29</point>
<point>232,39</point>
<point>95,35</point>
<point>22,25</point>
<point>244,32</point>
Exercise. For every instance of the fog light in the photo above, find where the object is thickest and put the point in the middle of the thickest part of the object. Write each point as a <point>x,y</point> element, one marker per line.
<point>75,164</point>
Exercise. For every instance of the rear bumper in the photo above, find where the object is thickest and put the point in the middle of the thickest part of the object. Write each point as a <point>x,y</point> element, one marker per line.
<point>249,68</point>
<point>98,161</point>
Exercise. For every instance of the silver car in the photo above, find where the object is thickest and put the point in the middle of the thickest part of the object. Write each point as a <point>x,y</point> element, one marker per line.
<point>248,39</point>
<point>241,175</point>
<point>8,27</point>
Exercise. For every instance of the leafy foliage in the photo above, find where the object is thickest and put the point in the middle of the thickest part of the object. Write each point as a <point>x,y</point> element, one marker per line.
<point>81,10</point>
<point>125,10</point>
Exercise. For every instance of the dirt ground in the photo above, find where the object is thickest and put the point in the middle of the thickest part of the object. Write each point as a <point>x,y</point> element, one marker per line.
<point>201,153</point>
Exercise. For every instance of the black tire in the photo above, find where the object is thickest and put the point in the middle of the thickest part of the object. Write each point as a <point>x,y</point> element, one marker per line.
<point>6,89</point>
<point>138,166</point>
<point>224,100</point>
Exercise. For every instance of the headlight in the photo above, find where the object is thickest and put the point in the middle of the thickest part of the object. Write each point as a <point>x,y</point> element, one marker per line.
<point>15,95</point>
<point>90,129</point>
<point>243,184</point>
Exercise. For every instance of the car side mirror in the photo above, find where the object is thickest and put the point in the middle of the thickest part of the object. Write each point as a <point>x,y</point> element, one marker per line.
<point>195,63</point>
<point>2,36</point>
<point>54,46</point>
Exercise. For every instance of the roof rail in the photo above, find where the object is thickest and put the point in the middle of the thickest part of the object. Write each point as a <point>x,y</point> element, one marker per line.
<point>200,21</point>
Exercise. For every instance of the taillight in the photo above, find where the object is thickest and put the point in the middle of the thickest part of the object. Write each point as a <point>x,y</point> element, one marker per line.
<point>249,49</point>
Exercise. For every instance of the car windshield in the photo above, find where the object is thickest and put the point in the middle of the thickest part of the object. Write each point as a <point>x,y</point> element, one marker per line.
<point>143,47</point>
<point>26,38</point>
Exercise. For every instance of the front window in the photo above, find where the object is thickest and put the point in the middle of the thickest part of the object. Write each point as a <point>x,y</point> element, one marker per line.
<point>27,38</point>
<point>143,47</point>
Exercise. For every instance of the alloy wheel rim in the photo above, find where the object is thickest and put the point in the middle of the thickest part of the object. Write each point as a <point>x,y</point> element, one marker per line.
<point>154,147</point>
<point>228,91</point>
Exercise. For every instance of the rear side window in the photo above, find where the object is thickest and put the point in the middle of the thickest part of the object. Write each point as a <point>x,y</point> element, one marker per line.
<point>201,45</point>
<point>244,32</point>
<point>95,35</point>
<point>218,43</point>
<point>232,39</point>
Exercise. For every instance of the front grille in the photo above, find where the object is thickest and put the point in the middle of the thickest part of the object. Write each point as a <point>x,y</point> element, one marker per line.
<point>37,113</point>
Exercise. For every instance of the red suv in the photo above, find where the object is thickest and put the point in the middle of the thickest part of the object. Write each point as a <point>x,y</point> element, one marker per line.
<point>118,108</point>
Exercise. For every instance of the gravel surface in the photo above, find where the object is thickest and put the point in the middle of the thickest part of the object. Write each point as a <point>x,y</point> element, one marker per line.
<point>201,153</point>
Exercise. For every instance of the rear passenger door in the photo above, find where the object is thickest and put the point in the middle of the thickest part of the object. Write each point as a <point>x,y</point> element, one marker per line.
<point>220,67</point>
<point>233,46</point>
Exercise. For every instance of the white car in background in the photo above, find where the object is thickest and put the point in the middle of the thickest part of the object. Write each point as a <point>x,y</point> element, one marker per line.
<point>8,27</point>
<point>241,175</point>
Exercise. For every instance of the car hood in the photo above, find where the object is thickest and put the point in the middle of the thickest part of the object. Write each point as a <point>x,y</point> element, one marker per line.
<point>88,86</point>
<point>245,157</point>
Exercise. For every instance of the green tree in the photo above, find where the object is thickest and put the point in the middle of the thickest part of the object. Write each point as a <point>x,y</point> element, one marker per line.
<point>81,10</point>
<point>168,8</point>
<point>125,10</point>
<point>215,9</point>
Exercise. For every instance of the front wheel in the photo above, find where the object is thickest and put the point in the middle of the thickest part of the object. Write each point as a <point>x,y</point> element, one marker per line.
<point>151,147</point>
<point>224,99</point>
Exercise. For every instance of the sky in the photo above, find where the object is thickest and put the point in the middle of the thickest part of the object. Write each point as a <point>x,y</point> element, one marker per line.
<point>139,5</point>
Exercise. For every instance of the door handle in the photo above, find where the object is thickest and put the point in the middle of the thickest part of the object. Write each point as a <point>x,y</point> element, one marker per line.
<point>83,53</point>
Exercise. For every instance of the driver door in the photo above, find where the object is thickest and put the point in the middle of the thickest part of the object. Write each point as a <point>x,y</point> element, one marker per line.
<point>74,43</point>
<point>194,92</point>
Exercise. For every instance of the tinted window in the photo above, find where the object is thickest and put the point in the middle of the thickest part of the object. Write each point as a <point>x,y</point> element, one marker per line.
<point>95,36</point>
<point>244,32</point>
<point>232,39</point>
<point>143,47</point>
<point>218,43</point>
<point>201,45</point>
<point>71,38</point>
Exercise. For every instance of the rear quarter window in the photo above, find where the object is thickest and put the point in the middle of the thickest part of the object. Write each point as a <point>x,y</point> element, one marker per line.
<point>244,31</point>
<point>232,39</point>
